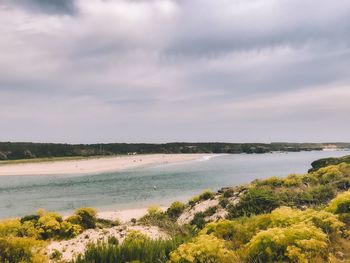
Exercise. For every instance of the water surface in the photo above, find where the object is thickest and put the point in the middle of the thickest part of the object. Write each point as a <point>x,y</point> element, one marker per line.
<point>20,195</point>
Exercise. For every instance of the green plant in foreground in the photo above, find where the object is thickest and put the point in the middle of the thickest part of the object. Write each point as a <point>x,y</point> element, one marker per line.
<point>175,209</point>
<point>297,243</point>
<point>340,204</point>
<point>135,248</point>
<point>204,248</point>
<point>17,249</point>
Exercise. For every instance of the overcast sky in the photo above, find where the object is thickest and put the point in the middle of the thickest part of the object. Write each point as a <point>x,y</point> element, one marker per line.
<point>83,71</point>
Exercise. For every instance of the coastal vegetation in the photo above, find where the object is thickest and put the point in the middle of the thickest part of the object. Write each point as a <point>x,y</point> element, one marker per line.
<point>135,248</point>
<point>24,239</point>
<point>298,218</point>
<point>22,150</point>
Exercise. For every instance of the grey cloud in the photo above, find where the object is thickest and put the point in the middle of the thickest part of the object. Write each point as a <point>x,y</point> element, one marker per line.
<point>166,70</point>
<point>45,6</point>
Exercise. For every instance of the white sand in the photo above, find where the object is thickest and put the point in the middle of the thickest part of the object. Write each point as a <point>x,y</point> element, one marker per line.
<point>96,165</point>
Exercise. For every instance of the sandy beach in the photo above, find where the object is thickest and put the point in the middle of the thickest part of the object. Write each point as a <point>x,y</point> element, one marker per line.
<point>94,165</point>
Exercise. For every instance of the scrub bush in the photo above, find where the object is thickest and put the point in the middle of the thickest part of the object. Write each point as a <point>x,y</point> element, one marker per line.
<point>17,249</point>
<point>204,248</point>
<point>340,204</point>
<point>86,217</point>
<point>176,209</point>
<point>254,202</point>
<point>135,248</point>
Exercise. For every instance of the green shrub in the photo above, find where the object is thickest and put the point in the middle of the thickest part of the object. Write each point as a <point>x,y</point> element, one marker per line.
<point>210,210</point>
<point>343,184</point>
<point>292,180</point>
<point>199,220</point>
<point>318,195</point>
<point>176,209</point>
<point>206,195</point>
<point>229,193</point>
<point>106,223</point>
<point>56,255</point>
<point>32,218</point>
<point>113,240</point>
<point>329,161</point>
<point>193,200</point>
<point>153,217</point>
<point>87,217</point>
<point>156,217</point>
<point>272,181</point>
<point>254,202</point>
<point>223,202</point>
<point>135,248</point>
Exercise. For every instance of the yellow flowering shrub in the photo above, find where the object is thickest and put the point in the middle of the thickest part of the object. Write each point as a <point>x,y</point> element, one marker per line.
<point>297,243</point>
<point>238,232</point>
<point>28,229</point>
<point>9,227</point>
<point>332,173</point>
<point>68,229</point>
<point>286,216</point>
<point>26,250</point>
<point>340,204</point>
<point>49,225</point>
<point>204,249</point>
<point>87,217</point>
<point>135,237</point>
<point>293,180</point>
<point>271,181</point>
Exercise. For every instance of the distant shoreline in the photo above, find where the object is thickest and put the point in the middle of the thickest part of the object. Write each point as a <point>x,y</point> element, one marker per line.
<point>92,165</point>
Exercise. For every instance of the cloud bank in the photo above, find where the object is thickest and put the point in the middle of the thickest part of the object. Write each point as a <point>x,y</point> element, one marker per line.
<point>173,70</point>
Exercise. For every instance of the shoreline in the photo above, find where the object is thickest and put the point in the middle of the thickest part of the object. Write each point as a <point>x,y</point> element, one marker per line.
<point>95,165</point>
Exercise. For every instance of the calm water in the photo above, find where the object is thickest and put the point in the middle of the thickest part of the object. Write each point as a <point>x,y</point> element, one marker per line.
<point>21,195</point>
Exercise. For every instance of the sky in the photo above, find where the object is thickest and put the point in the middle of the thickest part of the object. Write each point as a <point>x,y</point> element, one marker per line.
<point>78,71</point>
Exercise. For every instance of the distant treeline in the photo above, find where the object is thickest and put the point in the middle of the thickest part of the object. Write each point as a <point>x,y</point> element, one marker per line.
<point>24,150</point>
